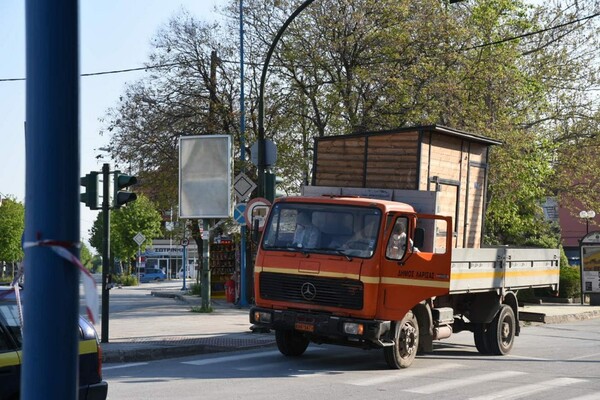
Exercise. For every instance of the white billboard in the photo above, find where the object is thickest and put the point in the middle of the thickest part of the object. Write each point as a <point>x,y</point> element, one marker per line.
<point>205,176</point>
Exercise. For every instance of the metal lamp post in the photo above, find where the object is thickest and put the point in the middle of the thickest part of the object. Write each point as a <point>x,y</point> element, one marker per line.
<point>587,215</point>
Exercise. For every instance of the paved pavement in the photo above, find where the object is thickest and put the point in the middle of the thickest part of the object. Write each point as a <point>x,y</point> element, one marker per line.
<point>174,330</point>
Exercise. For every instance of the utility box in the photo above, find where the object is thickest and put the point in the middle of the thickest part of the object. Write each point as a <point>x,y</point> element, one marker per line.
<point>398,164</point>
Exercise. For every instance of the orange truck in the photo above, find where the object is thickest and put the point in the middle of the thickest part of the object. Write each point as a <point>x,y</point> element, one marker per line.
<point>377,274</point>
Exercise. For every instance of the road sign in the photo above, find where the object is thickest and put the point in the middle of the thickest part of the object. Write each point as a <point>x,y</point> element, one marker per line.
<point>238,213</point>
<point>270,153</point>
<point>257,210</point>
<point>139,238</point>
<point>243,186</point>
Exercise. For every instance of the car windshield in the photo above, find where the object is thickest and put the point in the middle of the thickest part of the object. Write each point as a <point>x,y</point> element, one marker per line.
<point>9,314</point>
<point>346,230</point>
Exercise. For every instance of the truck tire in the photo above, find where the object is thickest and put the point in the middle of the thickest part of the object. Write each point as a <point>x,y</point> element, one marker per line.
<point>501,332</point>
<point>291,343</point>
<point>480,335</point>
<point>406,343</point>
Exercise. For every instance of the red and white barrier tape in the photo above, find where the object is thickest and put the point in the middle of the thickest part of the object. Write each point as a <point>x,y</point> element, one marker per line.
<point>89,284</point>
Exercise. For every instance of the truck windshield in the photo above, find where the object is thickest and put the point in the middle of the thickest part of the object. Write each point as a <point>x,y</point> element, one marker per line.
<point>345,230</point>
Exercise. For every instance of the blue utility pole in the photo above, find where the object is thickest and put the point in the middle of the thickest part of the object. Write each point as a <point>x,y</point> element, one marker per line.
<point>51,297</point>
<point>243,268</point>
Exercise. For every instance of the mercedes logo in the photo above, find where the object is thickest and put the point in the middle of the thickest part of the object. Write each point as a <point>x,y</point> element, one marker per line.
<point>308,291</point>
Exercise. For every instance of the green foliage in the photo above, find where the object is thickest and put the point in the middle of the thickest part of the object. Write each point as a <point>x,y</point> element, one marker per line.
<point>12,225</point>
<point>570,282</point>
<point>86,257</point>
<point>139,216</point>
<point>200,309</point>
<point>195,289</point>
<point>125,280</point>
<point>364,65</point>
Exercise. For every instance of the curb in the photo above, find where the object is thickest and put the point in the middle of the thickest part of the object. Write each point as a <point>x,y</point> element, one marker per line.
<point>172,350</point>
<point>528,316</point>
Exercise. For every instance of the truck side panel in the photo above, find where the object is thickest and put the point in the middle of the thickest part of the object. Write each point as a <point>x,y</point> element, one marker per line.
<point>477,270</point>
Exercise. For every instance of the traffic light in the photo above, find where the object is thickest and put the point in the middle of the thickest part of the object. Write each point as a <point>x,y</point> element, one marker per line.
<point>91,195</point>
<point>271,181</point>
<point>121,181</point>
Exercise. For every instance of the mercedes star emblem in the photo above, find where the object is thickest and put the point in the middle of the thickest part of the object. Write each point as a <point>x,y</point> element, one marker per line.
<point>308,291</point>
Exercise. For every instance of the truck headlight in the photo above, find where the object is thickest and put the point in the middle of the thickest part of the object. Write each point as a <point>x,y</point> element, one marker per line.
<point>262,316</point>
<point>353,328</point>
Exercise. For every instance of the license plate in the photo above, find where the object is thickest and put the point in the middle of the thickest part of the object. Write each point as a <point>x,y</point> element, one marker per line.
<point>300,326</point>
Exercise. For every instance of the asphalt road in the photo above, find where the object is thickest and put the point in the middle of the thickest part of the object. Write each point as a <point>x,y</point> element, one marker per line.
<point>547,362</point>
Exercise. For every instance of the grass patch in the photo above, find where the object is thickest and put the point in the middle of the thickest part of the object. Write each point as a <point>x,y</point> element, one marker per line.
<point>203,310</point>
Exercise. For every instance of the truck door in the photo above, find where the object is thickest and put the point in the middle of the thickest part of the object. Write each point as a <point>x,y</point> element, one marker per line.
<point>409,273</point>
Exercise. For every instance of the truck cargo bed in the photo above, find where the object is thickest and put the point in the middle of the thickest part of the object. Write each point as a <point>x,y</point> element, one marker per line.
<point>477,270</point>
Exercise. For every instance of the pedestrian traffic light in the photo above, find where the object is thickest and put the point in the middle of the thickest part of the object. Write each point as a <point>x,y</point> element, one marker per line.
<point>122,181</point>
<point>90,196</point>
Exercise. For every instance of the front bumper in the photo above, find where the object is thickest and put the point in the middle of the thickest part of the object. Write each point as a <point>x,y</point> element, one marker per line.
<point>321,327</point>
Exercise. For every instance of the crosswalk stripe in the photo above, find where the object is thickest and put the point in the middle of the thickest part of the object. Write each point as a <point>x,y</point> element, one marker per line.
<point>405,373</point>
<point>524,391</point>
<point>461,382</point>
<point>236,357</point>
<point>106,368</point>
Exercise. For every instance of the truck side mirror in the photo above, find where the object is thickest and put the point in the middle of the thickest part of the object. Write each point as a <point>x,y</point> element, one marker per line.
<point>419,237</point>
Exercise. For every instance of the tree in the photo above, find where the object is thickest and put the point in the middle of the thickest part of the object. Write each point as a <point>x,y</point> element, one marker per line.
<point>12,225</point>
<point>520,73</point>
<point>86,257</point>
<point>139,216</point>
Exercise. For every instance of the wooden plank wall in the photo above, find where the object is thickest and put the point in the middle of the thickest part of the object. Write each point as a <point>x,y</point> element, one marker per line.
<point>407,160</point>
<point>392,161</point>
<point>340,162</point>
<point>454,159</point>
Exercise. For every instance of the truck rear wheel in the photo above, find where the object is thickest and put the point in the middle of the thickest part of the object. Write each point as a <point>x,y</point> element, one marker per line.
<point>291,343</point>
<point>501,333</point>
<point>406,343</point>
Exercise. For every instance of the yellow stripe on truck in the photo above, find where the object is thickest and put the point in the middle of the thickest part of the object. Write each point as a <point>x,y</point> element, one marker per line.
<point>502,274</point>
<point>416,282</point>
<point>365,279</point>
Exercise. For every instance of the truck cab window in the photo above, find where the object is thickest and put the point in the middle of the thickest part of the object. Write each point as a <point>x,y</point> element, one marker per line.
<point>396,246</point>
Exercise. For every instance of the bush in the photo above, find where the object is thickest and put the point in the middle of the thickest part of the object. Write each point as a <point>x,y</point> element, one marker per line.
<point>570,282</point>
<point>195,289</point>
<point>125,280</point>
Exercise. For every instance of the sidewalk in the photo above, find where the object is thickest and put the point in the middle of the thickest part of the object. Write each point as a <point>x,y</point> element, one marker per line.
<point>173,330</point>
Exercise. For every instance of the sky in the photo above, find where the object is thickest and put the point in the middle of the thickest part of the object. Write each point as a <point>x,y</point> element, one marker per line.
<point>114,35</point>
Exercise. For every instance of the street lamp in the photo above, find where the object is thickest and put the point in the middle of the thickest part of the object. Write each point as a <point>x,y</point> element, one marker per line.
<point>587,215</point>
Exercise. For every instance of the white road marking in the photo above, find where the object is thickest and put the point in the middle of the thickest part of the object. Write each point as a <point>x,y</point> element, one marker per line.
<point>236,357</point>
<point>462,382</point>
<point>105,368</point>
<point>525,391</point>
<point>402,374</point>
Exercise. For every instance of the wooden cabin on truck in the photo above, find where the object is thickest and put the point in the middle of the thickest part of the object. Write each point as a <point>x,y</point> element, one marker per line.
<point>386,266</point>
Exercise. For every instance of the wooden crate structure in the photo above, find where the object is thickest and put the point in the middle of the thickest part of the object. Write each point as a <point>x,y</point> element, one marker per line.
<point>431,158</point>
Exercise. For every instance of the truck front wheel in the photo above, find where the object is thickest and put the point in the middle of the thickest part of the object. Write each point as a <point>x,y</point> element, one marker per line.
<point>291,343</point>
<point>406,343</point>
<point>501,333</point>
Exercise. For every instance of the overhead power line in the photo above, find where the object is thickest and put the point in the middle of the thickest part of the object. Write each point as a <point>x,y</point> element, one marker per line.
<point>494,43</point>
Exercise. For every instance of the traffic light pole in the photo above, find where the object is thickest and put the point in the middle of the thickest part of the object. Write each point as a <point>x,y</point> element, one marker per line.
<point>105,251</point>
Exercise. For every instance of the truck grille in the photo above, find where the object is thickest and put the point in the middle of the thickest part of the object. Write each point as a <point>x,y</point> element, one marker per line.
<point>331,292</point>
